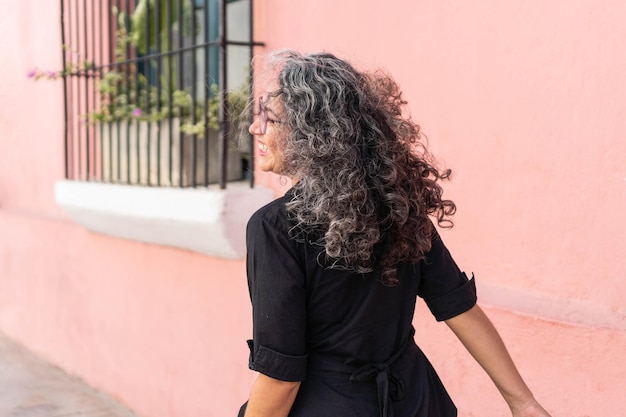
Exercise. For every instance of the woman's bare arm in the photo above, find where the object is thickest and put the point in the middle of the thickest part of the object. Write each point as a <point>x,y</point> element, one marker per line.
<point>271,397</point>
<point>483,342</point>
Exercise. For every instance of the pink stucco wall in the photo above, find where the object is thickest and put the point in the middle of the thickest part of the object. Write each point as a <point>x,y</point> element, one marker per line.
<point>524,101</point>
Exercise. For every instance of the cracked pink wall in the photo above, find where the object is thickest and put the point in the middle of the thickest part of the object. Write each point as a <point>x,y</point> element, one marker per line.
<point>524,101</point>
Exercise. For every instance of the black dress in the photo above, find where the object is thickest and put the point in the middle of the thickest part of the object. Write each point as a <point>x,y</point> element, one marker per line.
<point>346,336</point>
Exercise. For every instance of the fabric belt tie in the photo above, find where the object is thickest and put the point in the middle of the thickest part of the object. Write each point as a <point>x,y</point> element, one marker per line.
<point>383,376</point>
<point>389,385</point>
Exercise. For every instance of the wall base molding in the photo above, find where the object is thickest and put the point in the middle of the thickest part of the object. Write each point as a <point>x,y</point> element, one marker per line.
<point>542,306</point>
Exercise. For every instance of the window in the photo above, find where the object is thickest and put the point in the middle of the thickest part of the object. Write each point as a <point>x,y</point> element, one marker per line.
<point>144,102</point>
<point>153,90</point>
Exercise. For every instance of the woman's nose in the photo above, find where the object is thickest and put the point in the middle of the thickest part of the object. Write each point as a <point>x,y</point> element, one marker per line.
<point>254,127</point>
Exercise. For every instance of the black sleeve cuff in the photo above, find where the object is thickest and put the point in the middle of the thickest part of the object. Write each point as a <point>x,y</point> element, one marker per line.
<point>455,302</point>
<point>277,365</point>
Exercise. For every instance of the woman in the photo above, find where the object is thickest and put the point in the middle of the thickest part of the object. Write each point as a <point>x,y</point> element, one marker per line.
<point>335,266</point>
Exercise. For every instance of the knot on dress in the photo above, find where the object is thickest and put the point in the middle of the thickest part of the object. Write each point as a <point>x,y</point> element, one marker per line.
<point>388,384</point>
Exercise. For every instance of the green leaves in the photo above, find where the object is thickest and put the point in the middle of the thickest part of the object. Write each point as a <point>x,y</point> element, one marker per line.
<point>145,9</point>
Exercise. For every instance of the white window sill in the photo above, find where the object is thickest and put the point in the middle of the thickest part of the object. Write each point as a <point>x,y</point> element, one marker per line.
<point>205,220</point>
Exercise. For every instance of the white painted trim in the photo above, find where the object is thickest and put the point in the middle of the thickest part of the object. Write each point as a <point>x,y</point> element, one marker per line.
<point>204,220</point>
<point>548,307</point>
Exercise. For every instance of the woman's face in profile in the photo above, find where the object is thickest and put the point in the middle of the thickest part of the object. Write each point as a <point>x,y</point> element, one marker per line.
<point>268,129</point>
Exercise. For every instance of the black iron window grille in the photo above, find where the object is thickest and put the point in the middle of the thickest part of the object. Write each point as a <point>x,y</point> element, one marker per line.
<point>153,90</point>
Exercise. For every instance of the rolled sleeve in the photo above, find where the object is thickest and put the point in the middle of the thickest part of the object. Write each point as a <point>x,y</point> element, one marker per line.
<point>455,302</point>
<point>277,285</point>
<point>446,290</point>
<point>277,365</point>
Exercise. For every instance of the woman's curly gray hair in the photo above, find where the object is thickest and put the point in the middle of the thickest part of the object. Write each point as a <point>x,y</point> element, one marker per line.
<point>367,184</point>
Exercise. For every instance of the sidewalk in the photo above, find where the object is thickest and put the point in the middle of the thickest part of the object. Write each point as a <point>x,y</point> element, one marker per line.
<point>30,387</point>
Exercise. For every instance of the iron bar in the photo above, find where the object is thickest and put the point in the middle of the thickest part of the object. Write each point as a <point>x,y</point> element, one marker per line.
<point>157,35</point>
<point>137,123</point>
<point>78,112</point>
<point>180,86</point>
<point>217,43</point>
<point>223,85</point>
<point>207,93</point>
<point>65,112</point>
<point>170,87</point>
<point>84,64</point>
<point>147,68</point>
<point>111,46</point>
<point>127,70</point>
<point>250,166</point>
<point>117,125</point>
<point>101,138</point>
<point>194,136</point>
<point>93,94</point>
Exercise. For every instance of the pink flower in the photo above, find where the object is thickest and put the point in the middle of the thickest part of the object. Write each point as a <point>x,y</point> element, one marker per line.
<point>32,73</point>
<point>137,112</point>
<point>52,74</point>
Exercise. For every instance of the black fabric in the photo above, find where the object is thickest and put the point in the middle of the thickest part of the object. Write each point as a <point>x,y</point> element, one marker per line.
<point>277,365</point>
<point>448,305</point>
<point>389,385</point>
<point>303,311</point>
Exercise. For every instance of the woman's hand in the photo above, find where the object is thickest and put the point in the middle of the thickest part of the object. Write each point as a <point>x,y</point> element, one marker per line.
<point>532,409</point>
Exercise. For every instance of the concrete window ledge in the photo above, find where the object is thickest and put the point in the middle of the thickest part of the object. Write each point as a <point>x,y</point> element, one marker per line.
<point>207,220</point>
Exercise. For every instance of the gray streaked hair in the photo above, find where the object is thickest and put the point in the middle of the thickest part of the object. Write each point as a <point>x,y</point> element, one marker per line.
<point>367,184</point>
